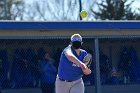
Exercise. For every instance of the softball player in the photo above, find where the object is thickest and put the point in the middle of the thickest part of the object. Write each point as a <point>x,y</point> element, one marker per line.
<point>71,68</point>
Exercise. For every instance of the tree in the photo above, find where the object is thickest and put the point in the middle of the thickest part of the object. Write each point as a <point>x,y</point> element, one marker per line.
<point>52,10</point>
<point>6,9</point>
<point>115,10</point>
<point>43,10</point>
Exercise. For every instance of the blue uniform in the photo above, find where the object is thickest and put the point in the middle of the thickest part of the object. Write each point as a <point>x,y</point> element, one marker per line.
<point>68,70</point>
<point>69,79</point>
<point>47,76</point>
<point>48,72</point>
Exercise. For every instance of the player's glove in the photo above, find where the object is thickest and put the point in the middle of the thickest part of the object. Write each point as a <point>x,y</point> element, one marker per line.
<point>87,60</point>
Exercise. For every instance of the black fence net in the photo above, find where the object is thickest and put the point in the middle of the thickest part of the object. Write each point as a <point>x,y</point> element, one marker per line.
<point>33,63</point>
<point>119,61</point>
<point>26,63</point>
<point>29,63</point>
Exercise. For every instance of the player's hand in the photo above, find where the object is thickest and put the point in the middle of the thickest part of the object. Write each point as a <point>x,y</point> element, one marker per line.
<point>87,71</point>
<point>83,66</point>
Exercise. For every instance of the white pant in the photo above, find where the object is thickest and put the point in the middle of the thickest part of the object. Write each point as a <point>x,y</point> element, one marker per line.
<point>76,86</point>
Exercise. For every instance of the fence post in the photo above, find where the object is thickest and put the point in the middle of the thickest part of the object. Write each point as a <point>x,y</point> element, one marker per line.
<point>97,68</point>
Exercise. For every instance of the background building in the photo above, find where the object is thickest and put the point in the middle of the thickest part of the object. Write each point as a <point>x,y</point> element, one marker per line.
<point>116,44</point>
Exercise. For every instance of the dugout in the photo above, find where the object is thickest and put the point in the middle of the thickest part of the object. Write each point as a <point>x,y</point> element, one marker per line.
<point>108,38</point>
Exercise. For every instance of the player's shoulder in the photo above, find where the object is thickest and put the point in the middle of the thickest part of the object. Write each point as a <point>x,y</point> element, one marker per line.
<point>67,48</point>
<point>82,50</point>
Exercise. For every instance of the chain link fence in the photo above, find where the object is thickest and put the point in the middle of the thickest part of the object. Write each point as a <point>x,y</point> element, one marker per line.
<point>119,61</point>
<point>22,63</point>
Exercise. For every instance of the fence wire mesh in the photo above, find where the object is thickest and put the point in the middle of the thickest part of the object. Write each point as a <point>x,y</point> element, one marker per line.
<point>33,63</point>
<point>119,61</point>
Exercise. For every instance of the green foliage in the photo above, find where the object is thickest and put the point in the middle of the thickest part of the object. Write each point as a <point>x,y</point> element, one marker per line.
<point>115,10</point>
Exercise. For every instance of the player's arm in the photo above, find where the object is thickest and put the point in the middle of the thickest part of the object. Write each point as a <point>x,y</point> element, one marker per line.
<point>72,58</point>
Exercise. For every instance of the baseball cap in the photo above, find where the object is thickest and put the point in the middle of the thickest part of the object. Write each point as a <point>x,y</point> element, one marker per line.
<point>76,37</point>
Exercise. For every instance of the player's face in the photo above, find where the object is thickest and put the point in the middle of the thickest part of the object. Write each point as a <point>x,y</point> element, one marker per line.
<point>76,44</point>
